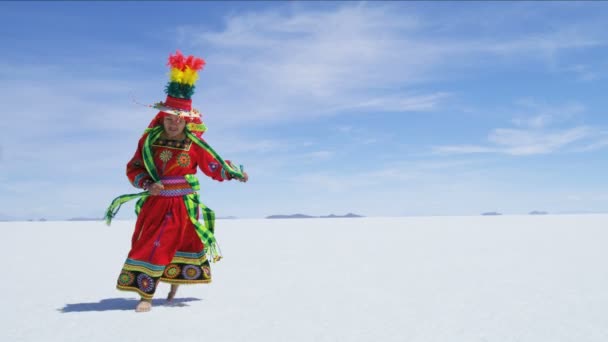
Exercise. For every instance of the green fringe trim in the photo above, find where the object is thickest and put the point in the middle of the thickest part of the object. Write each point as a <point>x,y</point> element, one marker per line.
<point>179,90</point>
<point>120,200</point>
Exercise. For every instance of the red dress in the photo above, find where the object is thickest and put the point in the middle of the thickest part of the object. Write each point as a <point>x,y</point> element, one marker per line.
<point>165,246</point>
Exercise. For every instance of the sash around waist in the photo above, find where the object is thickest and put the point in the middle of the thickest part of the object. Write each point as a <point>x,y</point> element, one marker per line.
<point>175,186</point>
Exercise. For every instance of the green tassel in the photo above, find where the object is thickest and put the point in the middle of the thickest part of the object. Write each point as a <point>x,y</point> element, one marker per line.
<point>118,202</point>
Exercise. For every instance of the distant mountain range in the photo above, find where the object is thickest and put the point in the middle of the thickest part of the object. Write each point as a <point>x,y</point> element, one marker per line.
<point>494,213</point>
<point>349,215</point>
<point>5,218</point>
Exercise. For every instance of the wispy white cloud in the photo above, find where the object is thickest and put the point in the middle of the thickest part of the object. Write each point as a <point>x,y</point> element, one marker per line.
<point>285,65</point>
<point>393,174</point>
<point>297,64</point>
<point>291,66</point>
<point>237,145</point>
<point>599,142</point>
<point>55,107</point>
<point>546,45</point>
<point>540,129</point>
<point>394,103</point>
<point>583,72</point>
<point>537,121</point>
<point>464,149</point>
<point>521,142</point>
<point>536,114</point>
<point>526,142</point>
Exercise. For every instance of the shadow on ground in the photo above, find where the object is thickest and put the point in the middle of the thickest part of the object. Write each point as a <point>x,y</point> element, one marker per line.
<point>112,304</point>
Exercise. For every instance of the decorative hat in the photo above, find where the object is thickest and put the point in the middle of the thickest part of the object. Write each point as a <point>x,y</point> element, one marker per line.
<point>184,73</point>
<point>183,76</point>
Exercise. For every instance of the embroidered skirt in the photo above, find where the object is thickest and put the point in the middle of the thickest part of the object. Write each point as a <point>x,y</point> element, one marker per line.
<point>164,247</point>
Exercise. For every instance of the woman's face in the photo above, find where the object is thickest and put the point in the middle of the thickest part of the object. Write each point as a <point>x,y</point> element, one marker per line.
<point>174,126</point>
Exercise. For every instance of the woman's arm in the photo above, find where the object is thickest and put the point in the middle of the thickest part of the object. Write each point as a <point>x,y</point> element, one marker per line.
<point>136,170</point>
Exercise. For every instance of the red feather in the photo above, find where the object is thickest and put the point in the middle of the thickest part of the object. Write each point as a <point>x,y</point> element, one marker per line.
<point>180,62</point>
<point>177,61</point>
<point>197,64</point>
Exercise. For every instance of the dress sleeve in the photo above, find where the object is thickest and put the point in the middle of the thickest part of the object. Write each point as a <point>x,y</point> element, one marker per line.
<point>136,170</point>
<point>211,166</point>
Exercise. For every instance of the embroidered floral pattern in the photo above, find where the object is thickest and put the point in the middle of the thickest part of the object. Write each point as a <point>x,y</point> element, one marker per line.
<point>191,272</point>
<point>145,282</point>
<point>206,271</point>
<point>172,271</point>
<point>165,156</point>
<point>183,159</point>
<point>126,278</point>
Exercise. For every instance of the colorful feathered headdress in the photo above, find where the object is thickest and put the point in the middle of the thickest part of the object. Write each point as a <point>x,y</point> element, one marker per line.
<point>183,76</point>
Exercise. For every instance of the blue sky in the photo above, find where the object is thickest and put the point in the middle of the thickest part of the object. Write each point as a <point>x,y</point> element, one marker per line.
<point>377,108</point>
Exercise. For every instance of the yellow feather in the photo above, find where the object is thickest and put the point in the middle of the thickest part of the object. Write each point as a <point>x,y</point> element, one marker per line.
<point>190,76</point>
<point>176,75</point>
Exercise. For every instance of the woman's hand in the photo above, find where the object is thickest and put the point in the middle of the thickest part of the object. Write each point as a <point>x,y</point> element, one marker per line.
<point>240,168</point>
<point>155,188</point>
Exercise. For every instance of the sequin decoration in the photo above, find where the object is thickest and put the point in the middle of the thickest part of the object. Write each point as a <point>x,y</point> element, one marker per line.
<point>172,271</point>
<point>145,282</point>
<point>191,272</point>
<point>174,144</point>
<point>183,159</point>
<point>126,278</point>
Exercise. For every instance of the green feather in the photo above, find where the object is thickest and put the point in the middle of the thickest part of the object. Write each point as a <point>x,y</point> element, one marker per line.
<point>179,90</point>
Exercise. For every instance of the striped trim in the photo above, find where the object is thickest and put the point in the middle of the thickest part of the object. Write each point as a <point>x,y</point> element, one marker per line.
<point>175,186</point>
<point>137,180</point>
<point>147,265</point>
<point>154,274</point>
<point>184,281</point>
<point>173,180</point>
<point>189,260</point>
<point>175,192</point>
<point>190,255</point>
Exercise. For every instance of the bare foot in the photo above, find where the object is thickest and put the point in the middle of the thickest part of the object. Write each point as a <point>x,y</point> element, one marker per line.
<point>143,306</point>
<point>172,293</point>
